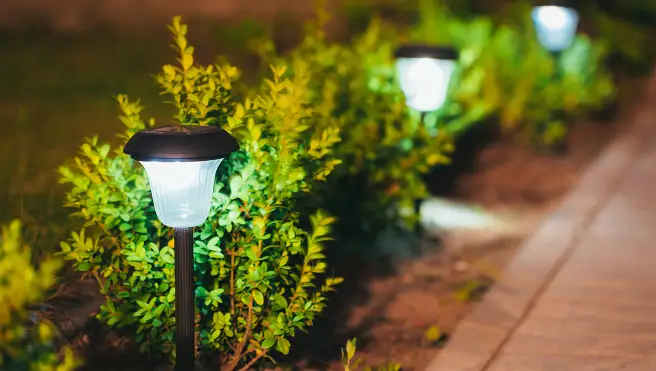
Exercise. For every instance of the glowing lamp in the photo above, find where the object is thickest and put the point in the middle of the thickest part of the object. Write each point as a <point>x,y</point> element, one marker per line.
<point>424,73</point>
<point>181,163</point>
<point>555,26</point>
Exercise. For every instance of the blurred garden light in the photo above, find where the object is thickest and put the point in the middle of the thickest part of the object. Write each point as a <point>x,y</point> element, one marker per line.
<point>181,163</point>
<point>555,26</point>
<point>424,73</point>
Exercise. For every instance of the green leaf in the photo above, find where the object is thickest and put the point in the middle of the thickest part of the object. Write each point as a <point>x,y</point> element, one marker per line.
<point>258,297</point>
<point>65,247</point>
<point>281,301</point>
<point>268,343</point>
<point>213,243</point>
<point>205,234</point>
<point>171,296</point>
<point>167,257</point>
<point>282,345</point>
<point>350,348</point>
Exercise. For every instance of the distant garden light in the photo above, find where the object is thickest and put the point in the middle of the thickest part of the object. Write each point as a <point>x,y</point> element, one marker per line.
<point>181,163</point>
<point>555,26</point>
<point>424,73</point>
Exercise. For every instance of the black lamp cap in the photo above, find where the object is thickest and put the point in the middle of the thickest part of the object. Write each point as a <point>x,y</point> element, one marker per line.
<point>426,51</point>
<point>561,3</point>
<point>181,143</point>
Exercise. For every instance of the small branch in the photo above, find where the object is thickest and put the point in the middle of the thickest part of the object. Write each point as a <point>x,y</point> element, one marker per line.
<point>100,282</point>
<point>252,361</point>
<point>238,353</point>
<point>247,333</point>
<point>299,286</point>
<point>232,284</point>
<point>59,292</point>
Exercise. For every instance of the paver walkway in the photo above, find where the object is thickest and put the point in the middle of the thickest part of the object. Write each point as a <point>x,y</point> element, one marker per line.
<point>581,294</point>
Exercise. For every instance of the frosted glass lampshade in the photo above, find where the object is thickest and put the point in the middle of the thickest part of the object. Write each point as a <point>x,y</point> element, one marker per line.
<point>425,81</point>
<point>424,73</point>
<point>555,26</point>
<point>182,191</point>
<point>181,163</point>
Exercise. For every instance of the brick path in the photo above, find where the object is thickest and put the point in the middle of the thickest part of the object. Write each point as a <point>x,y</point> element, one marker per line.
<point>581,293</point>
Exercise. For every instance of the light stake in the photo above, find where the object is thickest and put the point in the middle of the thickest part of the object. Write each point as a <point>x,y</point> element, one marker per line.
<point>181,163</point>
<point>424,73</point>
<point>555,26</point>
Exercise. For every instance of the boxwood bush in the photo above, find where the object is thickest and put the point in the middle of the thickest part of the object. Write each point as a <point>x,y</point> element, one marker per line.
<point>259,270</point>
<point>385,148</point>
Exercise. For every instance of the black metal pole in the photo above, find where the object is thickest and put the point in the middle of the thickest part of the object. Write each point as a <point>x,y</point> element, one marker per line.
<point>556,57</point>
<point>560,147</point>
<point>418,202</point>
<point>184,299</point>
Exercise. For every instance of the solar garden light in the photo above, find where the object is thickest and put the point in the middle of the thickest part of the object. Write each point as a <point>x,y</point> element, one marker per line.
<point>424,73</point>
<point>181,163</point>
<point>555,26</point>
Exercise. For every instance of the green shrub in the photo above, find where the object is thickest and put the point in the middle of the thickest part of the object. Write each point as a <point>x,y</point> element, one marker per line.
<point>504,76</point>
<point>26,345</point>
<point>384,147</point>
<point>257,269</point>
